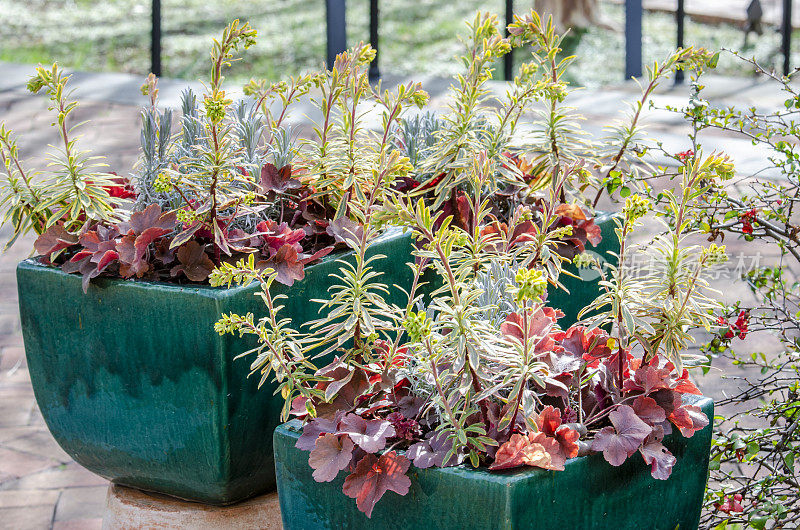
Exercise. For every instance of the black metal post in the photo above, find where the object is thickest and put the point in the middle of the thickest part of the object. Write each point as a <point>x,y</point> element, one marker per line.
<point>336,29</point>
<point>680,16</point>
<point>786,30</point>
<point>374,71</point>
<point>633,38</point>
<point>508,59</point>
<point>155,39</point>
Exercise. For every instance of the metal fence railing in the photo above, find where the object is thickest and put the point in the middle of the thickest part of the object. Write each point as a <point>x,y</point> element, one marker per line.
<point>336,33</point>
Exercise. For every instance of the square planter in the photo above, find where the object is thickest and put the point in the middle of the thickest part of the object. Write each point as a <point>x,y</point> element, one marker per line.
<point>588,494</point>
<point>135,384</point>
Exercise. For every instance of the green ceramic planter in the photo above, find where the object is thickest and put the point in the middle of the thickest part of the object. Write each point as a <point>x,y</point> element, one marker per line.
<point>584,288</point>
<point>589,494</point>
<point>136,386</point>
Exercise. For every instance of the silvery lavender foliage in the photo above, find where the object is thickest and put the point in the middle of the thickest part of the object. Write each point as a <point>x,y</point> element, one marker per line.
<point>249,128</point>
<point>156,141</point>
<point>160,150</point>
<point>192,129</point>
<point>416,136</point>
<point>283,146</point>
<point>495,283</point>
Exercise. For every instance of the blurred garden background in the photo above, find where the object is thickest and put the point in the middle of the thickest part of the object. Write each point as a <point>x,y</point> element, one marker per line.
<point>416,37</point>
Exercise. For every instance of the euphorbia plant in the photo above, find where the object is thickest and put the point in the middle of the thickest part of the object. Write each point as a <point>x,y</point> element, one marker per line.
<point>527,159</point>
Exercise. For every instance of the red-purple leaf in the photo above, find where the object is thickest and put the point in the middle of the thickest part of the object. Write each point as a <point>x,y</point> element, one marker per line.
<point>685,386</point>
<point>537,328</point>
<point>520,451</point>
<point>650,378</point>
<point>433,450</point>
<point>54,239</point>
<point>277,180</point>
<point>108,257</point>
<point>313,429</point>
<point>375,476</point>
<point>549,420</point>
<point>657,456</point>
<point>370,435</point>
<point>330,455</point>
<point>194,262</point>
<point>623,439</point>
<point>582,343</point>
<point>688,419</point>
<point>276,235</point>
<point>554,450</point>
<point>305,259</point>
<point>568,438</point>
<point>346,231</point>
<point>150,217</point>
<point>648,410</point>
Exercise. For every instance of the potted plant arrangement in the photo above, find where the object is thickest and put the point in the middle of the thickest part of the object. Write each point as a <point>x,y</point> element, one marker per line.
<point>475,408</point>
<point>117,314</point>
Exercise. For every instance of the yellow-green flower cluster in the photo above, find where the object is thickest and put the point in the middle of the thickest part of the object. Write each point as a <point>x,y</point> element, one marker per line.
<point>584,260</point>
<point>531,284</point>
<point>417,325</point>
<point>216,106</point>
<point>714,255</point>
<point>721,166</point>
<point>162,183</point>
<point>186,216</point>
<point>636,207</point>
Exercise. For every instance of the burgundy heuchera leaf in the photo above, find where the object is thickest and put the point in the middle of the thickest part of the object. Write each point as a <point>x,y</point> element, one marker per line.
<point>688,419</point>
<point>648,410</point>
<point>370,435</point>
<point>557,457</point>
<point>623,439</point>
<point>313,429</point>
<point>54,239</point>
<point>375,476</point>
<point>433,450</point>
<point>657,456</point>
<point>274,179</point>
<point>346,231</point>
<point>331,454</point>
<point>549,420</point>
<point>194,262</point>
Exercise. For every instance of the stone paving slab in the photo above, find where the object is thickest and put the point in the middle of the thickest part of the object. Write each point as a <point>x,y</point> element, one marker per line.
<point>40,487</point>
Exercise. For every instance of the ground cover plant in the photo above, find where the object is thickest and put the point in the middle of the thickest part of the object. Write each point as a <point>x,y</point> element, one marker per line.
<point>480,372</point>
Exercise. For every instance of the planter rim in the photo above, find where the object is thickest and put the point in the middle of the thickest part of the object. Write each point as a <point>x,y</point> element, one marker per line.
<point>505,476</point>
<point>203,289</point>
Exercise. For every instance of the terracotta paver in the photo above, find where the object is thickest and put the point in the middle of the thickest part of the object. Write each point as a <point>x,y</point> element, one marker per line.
<point>40,487</point>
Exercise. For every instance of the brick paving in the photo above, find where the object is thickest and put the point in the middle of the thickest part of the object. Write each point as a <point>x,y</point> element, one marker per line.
<point>40,486</point>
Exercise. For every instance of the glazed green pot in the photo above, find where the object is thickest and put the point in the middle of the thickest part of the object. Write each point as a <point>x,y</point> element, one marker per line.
<point>136,386</point>
<point>589,494</point>
<point>584,287</point>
